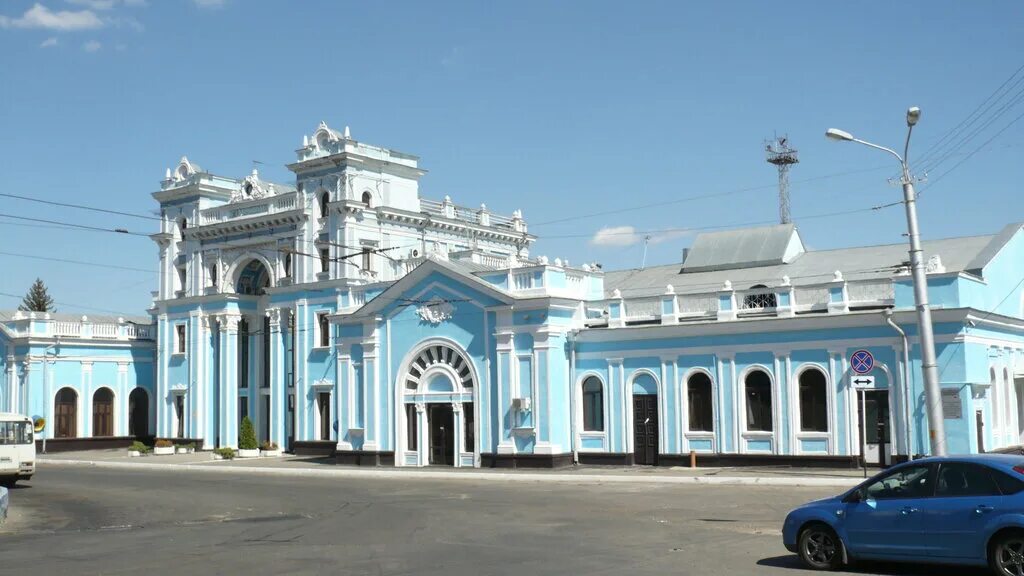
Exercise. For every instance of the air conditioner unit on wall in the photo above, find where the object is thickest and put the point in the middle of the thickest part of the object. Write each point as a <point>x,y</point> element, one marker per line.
<point>522,404</point>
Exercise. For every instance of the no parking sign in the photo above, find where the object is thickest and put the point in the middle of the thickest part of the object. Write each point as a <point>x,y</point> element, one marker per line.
<point>862,362</point>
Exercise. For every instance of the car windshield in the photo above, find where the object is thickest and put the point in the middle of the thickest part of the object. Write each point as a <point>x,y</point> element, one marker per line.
<point>909,482</point>
<point>15,433</point>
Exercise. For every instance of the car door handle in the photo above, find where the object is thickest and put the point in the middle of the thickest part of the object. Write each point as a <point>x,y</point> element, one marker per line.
<point>907,510</point>
<point>983,509</point>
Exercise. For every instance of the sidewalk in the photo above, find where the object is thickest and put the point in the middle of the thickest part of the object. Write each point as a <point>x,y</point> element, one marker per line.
<point>297,466</point>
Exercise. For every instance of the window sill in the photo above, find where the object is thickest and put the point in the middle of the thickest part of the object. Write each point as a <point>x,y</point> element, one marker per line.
<point>523,431</point>
<point>321,348</point>
<point>592,434</point>
<point>177,354</point>
<point>702,433</point>
<point>758,434</point>
<point>323,275</point>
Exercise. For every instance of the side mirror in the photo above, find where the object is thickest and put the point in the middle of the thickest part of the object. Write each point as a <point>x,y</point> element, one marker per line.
<point>854,497</point>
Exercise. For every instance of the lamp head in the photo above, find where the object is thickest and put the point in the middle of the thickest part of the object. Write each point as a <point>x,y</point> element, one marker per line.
<point>837,134</point>
<point>913,115</point>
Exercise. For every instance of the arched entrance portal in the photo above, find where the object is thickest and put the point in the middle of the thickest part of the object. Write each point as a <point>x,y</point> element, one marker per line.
<point>253,278</point>
<point>438,420</point>
<point>138,413</point>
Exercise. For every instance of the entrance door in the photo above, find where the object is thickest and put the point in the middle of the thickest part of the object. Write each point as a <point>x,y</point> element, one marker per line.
<point>138,413</point>
<point>874,413</point>
<point>645,429</point>
<point>442,434</point>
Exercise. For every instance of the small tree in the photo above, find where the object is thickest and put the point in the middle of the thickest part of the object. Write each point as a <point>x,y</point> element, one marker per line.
<point>247,435</point>
<point>37,299</point>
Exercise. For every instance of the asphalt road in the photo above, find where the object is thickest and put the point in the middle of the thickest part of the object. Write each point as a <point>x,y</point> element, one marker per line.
<point>97,521</point>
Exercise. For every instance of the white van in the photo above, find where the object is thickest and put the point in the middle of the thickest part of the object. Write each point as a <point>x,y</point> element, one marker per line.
<point>17,448</point>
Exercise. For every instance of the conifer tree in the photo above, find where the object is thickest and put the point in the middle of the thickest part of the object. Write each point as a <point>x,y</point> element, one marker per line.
<point>38,299</point>
<point>247,435</point>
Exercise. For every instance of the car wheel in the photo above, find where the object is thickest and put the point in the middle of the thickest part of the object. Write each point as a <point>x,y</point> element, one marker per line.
<point>1007,557</point>
<point>820,548</point>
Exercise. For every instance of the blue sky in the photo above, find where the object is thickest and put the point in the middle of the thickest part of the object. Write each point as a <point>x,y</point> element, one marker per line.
<point>561,109</point>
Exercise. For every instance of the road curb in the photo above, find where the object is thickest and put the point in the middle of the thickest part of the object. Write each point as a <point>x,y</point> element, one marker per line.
<point>812,481</point>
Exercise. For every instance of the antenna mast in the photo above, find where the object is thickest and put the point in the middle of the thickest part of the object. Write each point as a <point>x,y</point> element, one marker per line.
<point>779,153</point>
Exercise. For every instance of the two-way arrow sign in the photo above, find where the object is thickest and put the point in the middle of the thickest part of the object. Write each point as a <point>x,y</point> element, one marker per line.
<point>863,381</point>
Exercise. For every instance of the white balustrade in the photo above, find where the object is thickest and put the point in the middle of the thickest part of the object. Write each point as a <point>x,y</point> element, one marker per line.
<point>270,205</point>
<point>105,330</point>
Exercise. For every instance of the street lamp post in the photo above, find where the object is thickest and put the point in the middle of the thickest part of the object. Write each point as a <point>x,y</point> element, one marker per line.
<point>929,367</point>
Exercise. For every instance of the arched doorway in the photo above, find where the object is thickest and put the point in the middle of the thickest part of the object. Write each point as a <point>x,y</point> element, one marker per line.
<point>65,413</point>
<point>103,413</point>
<point>438,417</point>
<point>138,413</point>
<point>645,419</point>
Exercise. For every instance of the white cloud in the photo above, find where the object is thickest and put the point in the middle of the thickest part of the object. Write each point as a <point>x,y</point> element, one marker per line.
<point>39,16</point>
<point>615,236</point>
<point>94,4</point>
<point>210,3</point>
<point>91,46</point>
<point>106,4</point>
<point>628,236</point>
<point>48,43</point>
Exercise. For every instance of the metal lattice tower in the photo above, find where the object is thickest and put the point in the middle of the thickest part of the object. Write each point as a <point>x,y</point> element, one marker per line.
<point>779,153</point>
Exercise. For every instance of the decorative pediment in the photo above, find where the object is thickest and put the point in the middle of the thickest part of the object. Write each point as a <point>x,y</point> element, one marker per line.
<point>184,171</point>
<point>436,311</point>
<point>252,188</point>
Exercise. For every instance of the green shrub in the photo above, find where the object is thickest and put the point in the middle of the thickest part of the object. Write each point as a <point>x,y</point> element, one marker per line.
<point>247,435</point>
<point>164,443</point>
<point>225,453</point>
<point>268,445</point>
<point>189,446</point>
<point>139,447</point>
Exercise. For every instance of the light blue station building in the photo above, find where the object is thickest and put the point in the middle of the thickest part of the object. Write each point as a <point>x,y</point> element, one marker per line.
<point>348,315</point>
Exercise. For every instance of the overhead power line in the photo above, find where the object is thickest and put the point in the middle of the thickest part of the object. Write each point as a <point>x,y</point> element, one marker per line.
<point>82,207</point>
<point>80,262</point>
<point>69,304</point>
<point>75,225</point>
<point>702,197</point>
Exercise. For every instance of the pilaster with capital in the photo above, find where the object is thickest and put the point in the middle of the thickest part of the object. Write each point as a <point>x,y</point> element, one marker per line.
<point>228,334</point>
<point>277,320</point>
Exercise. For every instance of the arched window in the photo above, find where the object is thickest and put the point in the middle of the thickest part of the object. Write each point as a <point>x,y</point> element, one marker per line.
<point>65,412</point>
<point>813,401</point>
<point>759,297</point>
<point>103,413</point>
<point>700,403</point>
<point>325,198</point>
<point>759,401</point>
<point>368,199</point>
<point>138,413</point>
<point>593,405</point>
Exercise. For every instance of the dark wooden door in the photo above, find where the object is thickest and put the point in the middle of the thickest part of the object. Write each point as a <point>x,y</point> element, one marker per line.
<point>103,413</point>
<point>442,434</point>
<point>645,429</point>
<point>65,411</point>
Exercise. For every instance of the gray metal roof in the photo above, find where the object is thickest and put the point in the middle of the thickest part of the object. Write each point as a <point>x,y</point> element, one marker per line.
<point>813,267</point>
<point>741,248</point>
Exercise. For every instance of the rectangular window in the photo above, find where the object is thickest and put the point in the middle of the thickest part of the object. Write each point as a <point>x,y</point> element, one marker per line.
<point>179,347</point>
<point>367,258</point>
<point>323,326</point>
<point>325,259</point>
<point>701,409</point>
<point>411,425</point>
<point>323,401</point>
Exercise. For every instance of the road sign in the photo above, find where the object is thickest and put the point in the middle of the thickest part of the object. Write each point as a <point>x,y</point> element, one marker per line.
<point>860,382</point>
<point>862,361</point>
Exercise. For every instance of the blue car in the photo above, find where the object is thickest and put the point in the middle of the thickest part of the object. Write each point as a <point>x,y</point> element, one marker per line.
<point>966,510</point>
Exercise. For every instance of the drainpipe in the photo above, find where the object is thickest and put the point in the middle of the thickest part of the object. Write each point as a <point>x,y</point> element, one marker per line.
<point>906,379</point>
<point>572,395</point>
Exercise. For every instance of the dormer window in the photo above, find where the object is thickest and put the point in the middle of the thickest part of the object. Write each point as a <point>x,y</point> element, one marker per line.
<point>368,199</point>
<point>182,172</point>
<point>323,139</point>
<point>247,189</point>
